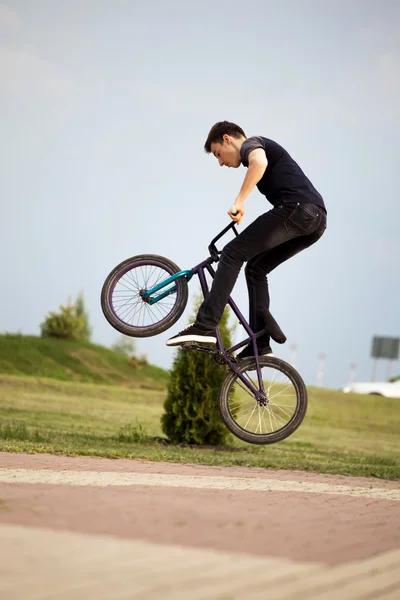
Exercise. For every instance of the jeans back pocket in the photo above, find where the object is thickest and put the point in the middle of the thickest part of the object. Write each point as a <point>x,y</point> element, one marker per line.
<point>303,219</point>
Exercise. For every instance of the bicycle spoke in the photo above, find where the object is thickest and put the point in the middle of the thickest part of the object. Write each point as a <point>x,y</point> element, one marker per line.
<point>251,414</point>
<point>288,414</point>
<point>270,420</point>
<point>125,285</point>
<point>259,420</point>
<point>132,281</point>
<point>290,385</point>
<point>273,415</point>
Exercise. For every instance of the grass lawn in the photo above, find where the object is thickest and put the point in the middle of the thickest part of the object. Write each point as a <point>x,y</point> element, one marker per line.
<point>342,433</point>
<point>70,360</point>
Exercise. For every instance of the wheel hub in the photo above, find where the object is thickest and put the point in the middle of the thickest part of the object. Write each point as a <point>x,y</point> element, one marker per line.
<point>143,297</point>
<point>262,400</point>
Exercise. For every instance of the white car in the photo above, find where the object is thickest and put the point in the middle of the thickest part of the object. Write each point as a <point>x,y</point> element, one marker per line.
<point>390,389</point>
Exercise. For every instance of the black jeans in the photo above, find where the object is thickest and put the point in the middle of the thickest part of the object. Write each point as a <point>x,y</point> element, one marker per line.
<point>270,240</point>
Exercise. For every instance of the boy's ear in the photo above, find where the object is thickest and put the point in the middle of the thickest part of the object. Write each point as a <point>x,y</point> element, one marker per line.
<point>226,138</point>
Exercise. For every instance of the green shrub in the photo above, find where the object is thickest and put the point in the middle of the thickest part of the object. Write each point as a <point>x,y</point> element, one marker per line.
<point>71,323</point>
<point>191,407</point>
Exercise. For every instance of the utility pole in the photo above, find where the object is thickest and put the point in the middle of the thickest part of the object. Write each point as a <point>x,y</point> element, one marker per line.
<point>352,372</point>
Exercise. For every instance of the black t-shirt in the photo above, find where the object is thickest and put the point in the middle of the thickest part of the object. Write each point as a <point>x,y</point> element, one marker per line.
<point>283,180</point>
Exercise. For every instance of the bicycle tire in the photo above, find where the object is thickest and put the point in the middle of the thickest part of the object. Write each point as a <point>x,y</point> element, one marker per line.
<point>143,260</point>
<point>290,427</point>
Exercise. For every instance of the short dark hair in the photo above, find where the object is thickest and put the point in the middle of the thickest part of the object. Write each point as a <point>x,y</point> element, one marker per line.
<point>218,131</point>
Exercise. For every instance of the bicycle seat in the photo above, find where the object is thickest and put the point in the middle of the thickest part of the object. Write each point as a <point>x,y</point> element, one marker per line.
<point>273,329</point>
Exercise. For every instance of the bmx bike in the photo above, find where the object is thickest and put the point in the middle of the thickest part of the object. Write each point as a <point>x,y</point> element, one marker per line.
<point>262,399</point>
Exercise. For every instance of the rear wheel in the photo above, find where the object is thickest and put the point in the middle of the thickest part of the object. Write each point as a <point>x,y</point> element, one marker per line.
<point>268,419</point>
<point>128,310</point>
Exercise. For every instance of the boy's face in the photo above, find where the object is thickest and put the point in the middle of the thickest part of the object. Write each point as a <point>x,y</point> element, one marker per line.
<point>227,153</point>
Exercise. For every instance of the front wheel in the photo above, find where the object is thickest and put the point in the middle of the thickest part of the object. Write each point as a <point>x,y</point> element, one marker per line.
<point>268,419</point>
<point>125,304</point>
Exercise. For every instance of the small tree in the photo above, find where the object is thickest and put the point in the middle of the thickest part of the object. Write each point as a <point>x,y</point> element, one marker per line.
<point>191,407</point>
<point>71,323</point>
<point>125,345</point>
<point>80,310</point>
<point>65,325</point>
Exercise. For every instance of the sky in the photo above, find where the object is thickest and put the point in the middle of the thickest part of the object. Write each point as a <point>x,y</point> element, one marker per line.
<point>105,106</point>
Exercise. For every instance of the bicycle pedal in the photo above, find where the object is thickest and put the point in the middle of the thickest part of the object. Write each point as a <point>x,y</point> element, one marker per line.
<point>189,345</point>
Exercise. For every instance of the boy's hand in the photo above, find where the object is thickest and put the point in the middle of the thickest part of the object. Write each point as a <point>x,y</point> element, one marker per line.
<point>236,213</point>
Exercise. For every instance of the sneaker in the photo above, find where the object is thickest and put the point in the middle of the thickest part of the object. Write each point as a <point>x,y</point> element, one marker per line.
<point>264,349</point>
<point>193,334</point>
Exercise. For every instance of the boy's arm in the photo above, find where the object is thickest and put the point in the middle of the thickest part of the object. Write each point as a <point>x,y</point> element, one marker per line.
<point>257,164</point>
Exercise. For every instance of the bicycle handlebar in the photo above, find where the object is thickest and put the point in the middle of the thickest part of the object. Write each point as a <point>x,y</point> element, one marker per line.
<point>214,252</point>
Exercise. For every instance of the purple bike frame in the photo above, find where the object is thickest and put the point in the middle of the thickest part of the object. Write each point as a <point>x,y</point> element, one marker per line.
<point>225,352</point>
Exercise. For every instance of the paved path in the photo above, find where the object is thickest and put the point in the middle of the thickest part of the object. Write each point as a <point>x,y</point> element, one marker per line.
<point>113,529</point>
